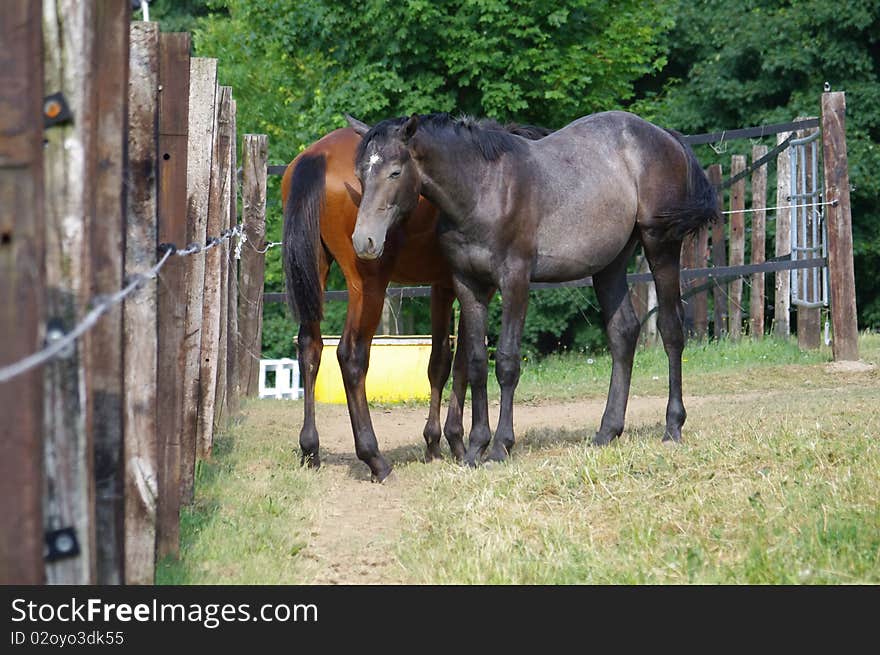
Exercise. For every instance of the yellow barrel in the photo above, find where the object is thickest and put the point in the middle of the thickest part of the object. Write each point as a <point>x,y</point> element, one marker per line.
<point>398,370</point>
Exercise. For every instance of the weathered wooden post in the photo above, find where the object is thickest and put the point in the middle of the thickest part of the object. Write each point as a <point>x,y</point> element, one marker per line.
<point>139,311</point>
<point>68,502</point>
<point>103,366</point>
<point>688,259</point>
<point>173,146</point>
<point>719,258</point>
<point>250,301</point>
<point>841,274</point>
<point>22,316</point>
<point>759,217</point>
<point>700,300</point>
<point>202,128</point>
<point>782,304</point>
<point>232,394</point>
<point>218,208</point>
<point>737,245</point>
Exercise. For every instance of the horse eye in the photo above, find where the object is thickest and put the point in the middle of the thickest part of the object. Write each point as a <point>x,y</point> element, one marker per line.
<point>394,175</point>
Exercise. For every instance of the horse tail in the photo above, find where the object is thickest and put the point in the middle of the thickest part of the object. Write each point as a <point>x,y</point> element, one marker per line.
<point>700,208</point>
<point>302,238</point>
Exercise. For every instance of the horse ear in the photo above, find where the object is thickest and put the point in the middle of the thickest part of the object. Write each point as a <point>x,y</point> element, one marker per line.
<point>358,126</point>
<point>409,128</point>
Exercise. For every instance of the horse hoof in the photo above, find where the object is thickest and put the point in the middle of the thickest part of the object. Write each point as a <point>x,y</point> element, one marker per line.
<point>600,440</point>
<point>432,454</point>
<point>670,440</point>
<point>497,454</point>
<point>310,461</point>
<point>388,478</point>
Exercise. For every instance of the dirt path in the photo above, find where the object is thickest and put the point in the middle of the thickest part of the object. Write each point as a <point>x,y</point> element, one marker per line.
<point>358,523</point>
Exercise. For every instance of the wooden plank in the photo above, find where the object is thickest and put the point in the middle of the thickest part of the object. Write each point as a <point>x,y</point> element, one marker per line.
<point>782,243</point>
<point>22,230</point>
<point>103,367</point>
<point>809,319</point>
<point>139,311</point>
<point>173,129</point>
<point>737,246</point>
<point>69,186</point>
<point>759,218</point>
<point>232,341</point>
<point>202,127</point>
<point>719,258</point>
<point>225,254</point>
<point>254,154</point>
<point>700,300</point>
<point>841,272</point>
<point>218,209</point>
<point>688,258</point>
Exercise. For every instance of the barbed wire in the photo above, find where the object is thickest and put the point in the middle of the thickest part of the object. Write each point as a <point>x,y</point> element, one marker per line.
<point>59,342</point>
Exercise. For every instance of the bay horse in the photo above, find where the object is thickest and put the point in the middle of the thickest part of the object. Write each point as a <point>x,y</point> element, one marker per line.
<point>320,195</point>
<point>573,204</point>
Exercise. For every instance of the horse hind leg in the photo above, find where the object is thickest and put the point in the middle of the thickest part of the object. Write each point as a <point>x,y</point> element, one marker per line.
<point>664,259</point>
<point>622,327</point>
<point>310,346</point>
<point>454,426</point>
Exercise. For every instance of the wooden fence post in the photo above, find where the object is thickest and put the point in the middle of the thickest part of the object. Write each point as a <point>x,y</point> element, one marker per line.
<point>69,187</point>
<point>782,304</point>
<point>22,234</point>
<point>218,207</point>
<point>700,300</point>
<point>841,274</point>
<point>173,129</point>
<point>223,281</point>
<point>737,245</point>
<point>719,258</point>
<point>232,393</point>
<point>202,130</point>
<point>809,319</point>
<point>250,301</point>
<point>759,217</point>
<point>688,259</point>
<point>139,310</point>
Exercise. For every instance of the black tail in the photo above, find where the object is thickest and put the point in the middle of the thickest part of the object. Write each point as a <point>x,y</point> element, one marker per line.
<point>700,208</point>
<point>302,238</point>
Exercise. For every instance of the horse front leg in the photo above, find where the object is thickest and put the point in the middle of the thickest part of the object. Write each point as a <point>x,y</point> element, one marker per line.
<point>364,313</point>
<point>454,426</point>
<point>474,301</point>
<point>439,365</point>
<point>514,303</point>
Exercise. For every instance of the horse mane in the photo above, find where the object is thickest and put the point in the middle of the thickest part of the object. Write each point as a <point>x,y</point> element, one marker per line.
<point>487,136</point>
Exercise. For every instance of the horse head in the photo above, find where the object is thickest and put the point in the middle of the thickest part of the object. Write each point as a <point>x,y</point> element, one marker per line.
<point>390,182</point>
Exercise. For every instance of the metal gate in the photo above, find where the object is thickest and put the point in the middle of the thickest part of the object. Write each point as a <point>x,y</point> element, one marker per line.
<point>809,286</point>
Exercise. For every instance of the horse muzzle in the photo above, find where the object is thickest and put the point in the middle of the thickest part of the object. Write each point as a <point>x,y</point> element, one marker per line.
<point>367,247</point>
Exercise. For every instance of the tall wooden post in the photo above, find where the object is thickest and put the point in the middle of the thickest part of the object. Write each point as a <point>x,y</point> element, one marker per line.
<point>232,393</point>
<point>103,368</point>
<point>218,208</point>
<point>139,312</point>
<point>250,301</point>
<point>759,216</point>
<point>173,130</point>
<point>69,493</point>
<point>737,246</point>
<point>22,235</point>
<point>202,129</point>
<point>719,258</point>
<point>782,304</point>
<point>688,260</point>
<point>841,273</point>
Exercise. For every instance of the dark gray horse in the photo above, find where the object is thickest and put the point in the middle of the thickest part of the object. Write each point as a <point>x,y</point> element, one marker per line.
<point>572,204</point>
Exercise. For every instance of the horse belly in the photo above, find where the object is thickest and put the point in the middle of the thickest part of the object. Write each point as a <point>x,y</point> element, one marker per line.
<point>571,248</point>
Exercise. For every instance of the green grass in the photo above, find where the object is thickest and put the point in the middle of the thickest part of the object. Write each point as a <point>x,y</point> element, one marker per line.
<point>251,514</point>
<point>781,491</point>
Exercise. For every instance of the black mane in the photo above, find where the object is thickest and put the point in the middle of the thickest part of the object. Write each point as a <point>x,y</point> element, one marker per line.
<point>487,136</point>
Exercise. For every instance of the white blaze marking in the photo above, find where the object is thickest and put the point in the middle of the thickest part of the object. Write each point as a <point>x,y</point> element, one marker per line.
<point>374,159</point>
